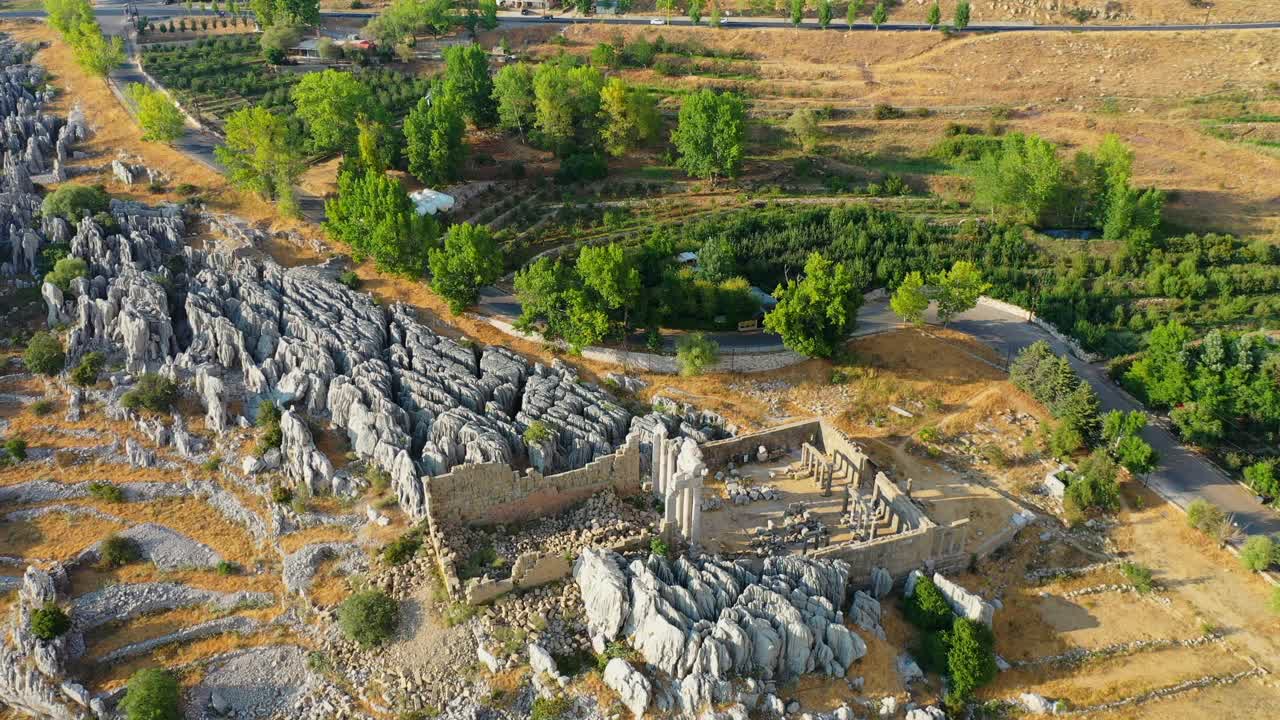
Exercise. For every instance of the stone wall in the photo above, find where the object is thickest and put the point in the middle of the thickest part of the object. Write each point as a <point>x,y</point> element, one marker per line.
<point>783,437</point>
<point>533,569</point>
<point>492,493</point>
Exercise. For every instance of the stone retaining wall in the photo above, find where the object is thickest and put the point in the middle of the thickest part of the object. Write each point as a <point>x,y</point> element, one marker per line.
<point>784,437</point>
<point>493,493</point>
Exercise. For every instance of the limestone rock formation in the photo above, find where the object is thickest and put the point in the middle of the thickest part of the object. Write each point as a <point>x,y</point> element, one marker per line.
<point>632,687</point>
<point>965,604</point>
<point>702,621</point>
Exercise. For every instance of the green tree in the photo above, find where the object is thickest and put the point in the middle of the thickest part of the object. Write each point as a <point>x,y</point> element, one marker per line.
<point>879,15</point>
<point>260,154</point>
<point>797,12</point>
<point>65,270</point>
<point>373,215</point>
<point>433,133</point>
<point>44,354</point>
<point>803,124</point>
<point>86,372</point>
<point>469,260</point>
<point>1162,374</point>
<point>1258,553</point>
<point>710,134</point>
<point>330,103</point>
<point>513,92</point>
<point>717,260</point>
<point>1021,181</point>
<point>910,300</point>
<point>1136,455</point>
<point>927,608</point>
<point>153,392</point>
<point>369,617</point>
<point>159,117</point>
<point>824,13</point>
<point>852,12</point>
<point>971,661</point>
<point>607,271</point>
<point>694,9</point>
<point>935,15</point>
<point>374,145</point>
<point>958,289</point>
<point>628,117</point>
<point>554,301</point>
<point>72,202</point>
<point>962,15</point>
<point>152,694</point>
<point>488,14</point>
<point>467,79</point>
<point>815,314</point>
<point>1262,477</point>
<point>715,19</point>
<point>1093,485</point>
<point>49,622</point>
<point>567,106</point>
<point>276,41</point>
<point>695,353</point>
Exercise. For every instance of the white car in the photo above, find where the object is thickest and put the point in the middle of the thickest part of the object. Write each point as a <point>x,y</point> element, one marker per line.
<point>657,21</point>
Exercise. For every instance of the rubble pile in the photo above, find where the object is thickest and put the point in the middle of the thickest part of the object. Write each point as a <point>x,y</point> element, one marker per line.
<point>602,519</point>
<point>799,527</point>
<point>703,621</point>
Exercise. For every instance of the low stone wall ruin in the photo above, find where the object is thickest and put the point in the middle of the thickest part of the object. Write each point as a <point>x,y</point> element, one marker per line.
<point>784,437</point>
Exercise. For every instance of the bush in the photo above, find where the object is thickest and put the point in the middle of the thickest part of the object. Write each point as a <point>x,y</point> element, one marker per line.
<point>1257,553</point>
<point>117,551</point>
<point>379,479</point>
<point>1139,576</point>
<point>73,202</point>
<point>582,167</point>
<point>1093,486</point>
<point>153,392</point>
<point>1263,478</point>
<point>44,354</point>
<point>549,708</point>
<point>49,622</point>
<point>16,448</point>
<point>152,695</point>
<point>1205,517</point>
<point>695,353</point>
<point>402,549</point>
<point>86,373</point>
<point>927,609</point>
<point>658,547</point>
<point>350,279</point>
<point>65,270</point>
<point>971,661</point>
<point>106,491</point>
<point>537,433</point>
<point>932,653</point>
<point>368,617</point>
<point>269,421</point>
<point>884,111</point>
<point>41,407</point>
<point>227,568</point>
<point>281,494</point>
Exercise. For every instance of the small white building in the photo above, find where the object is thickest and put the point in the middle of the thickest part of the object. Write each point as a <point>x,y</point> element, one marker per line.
<point>431,202</point>
<point>687,258</point>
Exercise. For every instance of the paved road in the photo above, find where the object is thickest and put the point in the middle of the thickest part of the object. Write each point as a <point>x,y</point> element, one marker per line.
<point>110,13</point>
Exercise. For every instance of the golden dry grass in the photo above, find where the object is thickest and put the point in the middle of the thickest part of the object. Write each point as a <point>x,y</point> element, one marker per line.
<point>54,536</point>
<point>295,541</point>
<point>115,675</point>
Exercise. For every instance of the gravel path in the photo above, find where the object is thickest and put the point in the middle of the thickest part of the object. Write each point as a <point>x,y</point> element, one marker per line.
<point>122,602</point>
<point>253,683</point>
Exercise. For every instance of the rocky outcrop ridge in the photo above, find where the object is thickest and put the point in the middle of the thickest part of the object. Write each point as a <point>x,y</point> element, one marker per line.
<point>33,671</point>
<point>705,620</point>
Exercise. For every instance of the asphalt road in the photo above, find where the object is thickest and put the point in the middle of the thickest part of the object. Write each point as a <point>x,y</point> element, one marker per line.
<point>111,13</point>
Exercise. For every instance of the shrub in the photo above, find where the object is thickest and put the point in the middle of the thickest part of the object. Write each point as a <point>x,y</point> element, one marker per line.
<point>537,433</point>
<point>153,392</point>
<point>927,609</point>
<point>932,653</point>
<point>582,167</point>
<point>1138,575</point>
<point>402,549</point>
<point>350,279</point>
<point>227,568</point>
<point>73,202</point>
<point>1205,517</point>
<point>41,407</point>
<point>368,617</point>
<point>549,708</point>
<point>281,494</point>
<point>971,661</point>
<point>884,111</point>
<point>152,695</point>
<point>65,270</point>
<point>117,551</point>
<point>1257,553</point>
<point>44,354</point>
<point>16,448</point>
<point>1263,478</point>
<point>106,491</point>
<point>269,421</point>
<point>695,353</point>
<point>928,434</point>
<point>379,479</point>
<point>86,372</point>
<point>1093,486</point>
<point>49,622</point>
<point>658,547</point>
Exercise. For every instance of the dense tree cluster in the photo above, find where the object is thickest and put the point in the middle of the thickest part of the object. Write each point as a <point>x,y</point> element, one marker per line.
<point>93,51</point>
<point>1213,386</point>
<point>1050,379</point>
<point>157,114</point>
<point>469,260</point>
<point>816,313</point>
<point>961,649</point>
<point>373,215</point>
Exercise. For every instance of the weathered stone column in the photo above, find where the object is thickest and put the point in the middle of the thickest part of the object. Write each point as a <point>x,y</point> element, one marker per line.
<point>656,462</point>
